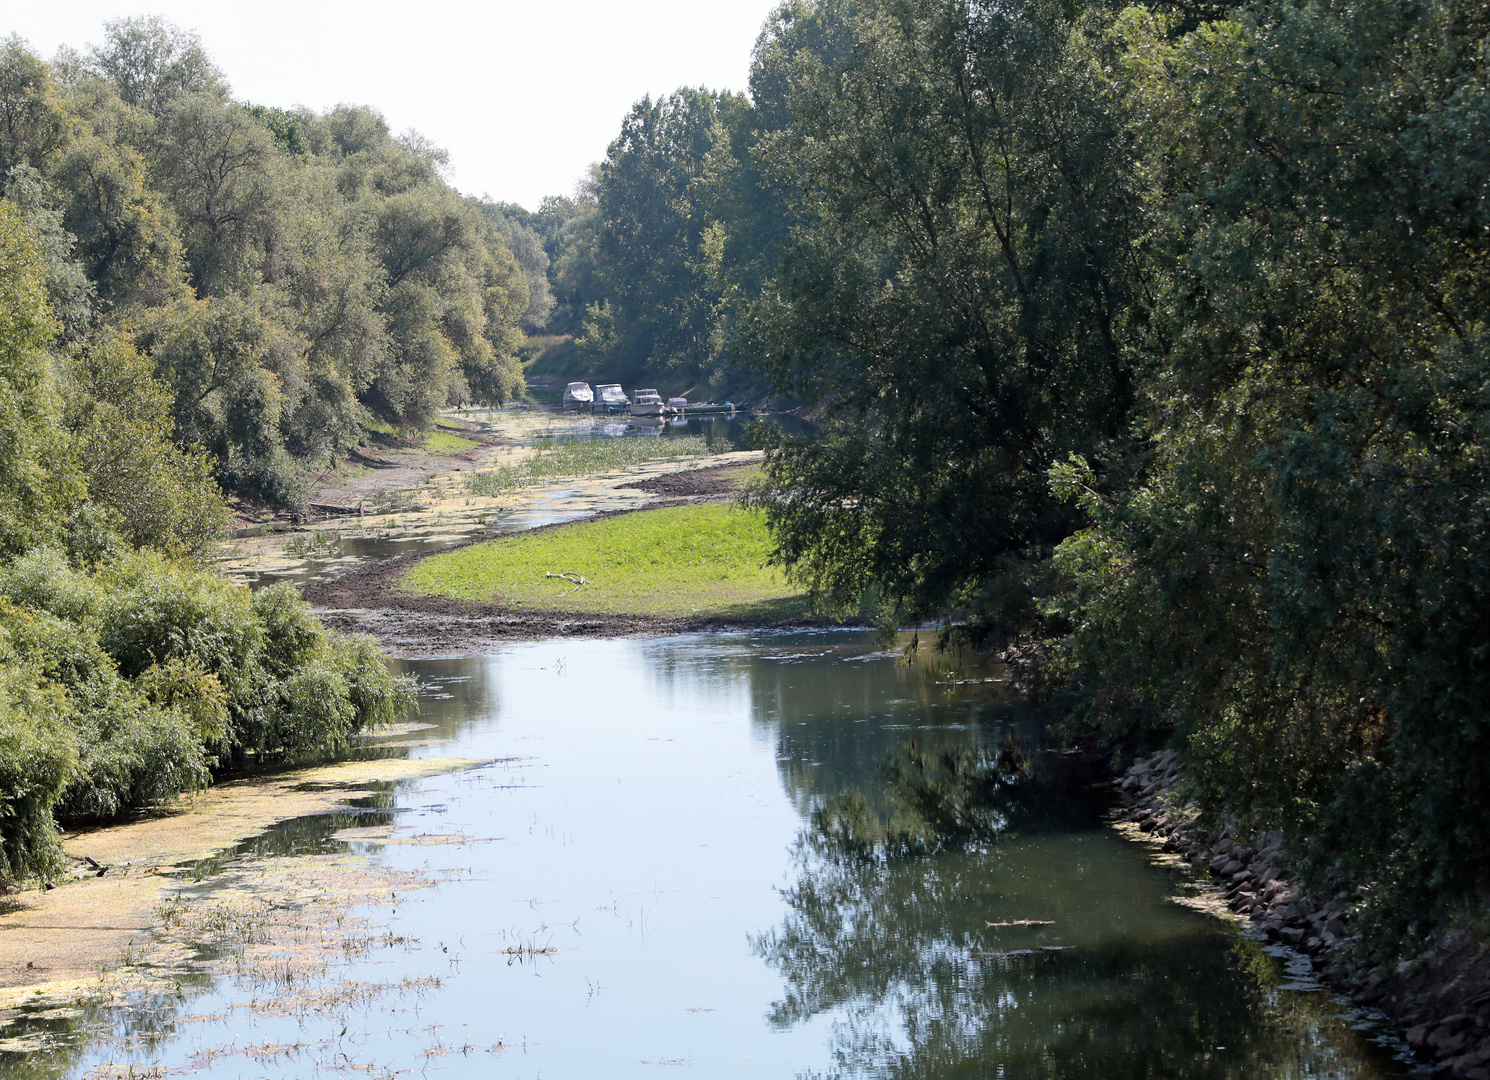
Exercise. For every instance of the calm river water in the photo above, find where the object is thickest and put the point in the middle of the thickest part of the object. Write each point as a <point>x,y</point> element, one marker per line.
<point>637,897</point>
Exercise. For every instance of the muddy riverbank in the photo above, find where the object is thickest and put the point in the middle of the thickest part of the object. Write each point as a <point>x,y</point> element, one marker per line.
<point>70,941</point>
<point>369,600</point>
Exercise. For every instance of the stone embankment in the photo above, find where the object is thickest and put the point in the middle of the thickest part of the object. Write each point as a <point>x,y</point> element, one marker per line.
<point>1439,999</point>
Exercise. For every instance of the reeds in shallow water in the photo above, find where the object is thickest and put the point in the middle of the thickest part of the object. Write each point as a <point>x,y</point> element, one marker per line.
<point>576,457</point>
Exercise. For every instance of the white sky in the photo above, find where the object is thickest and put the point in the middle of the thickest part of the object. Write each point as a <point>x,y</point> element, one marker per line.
<point>524,95</point>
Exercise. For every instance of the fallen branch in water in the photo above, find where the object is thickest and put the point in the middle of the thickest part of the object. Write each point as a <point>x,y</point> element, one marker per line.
<point>578,579</point>
<point>1025,922</point>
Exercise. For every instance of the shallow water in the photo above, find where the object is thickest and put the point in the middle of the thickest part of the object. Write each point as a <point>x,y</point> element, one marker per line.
<point>547,418</point>
<point>636,894</point>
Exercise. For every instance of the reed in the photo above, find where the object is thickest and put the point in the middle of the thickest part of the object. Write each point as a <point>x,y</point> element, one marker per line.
<point>560,458</point>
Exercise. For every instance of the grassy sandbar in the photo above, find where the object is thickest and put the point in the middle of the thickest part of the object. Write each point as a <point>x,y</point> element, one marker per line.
<point>706,559</point>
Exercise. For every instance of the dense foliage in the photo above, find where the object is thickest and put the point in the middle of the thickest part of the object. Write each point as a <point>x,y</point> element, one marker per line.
<point>196,293</point>
<point>285,273</point>
<point>957,305</point>
<point>1159,334</point>
<point>1297,587</point>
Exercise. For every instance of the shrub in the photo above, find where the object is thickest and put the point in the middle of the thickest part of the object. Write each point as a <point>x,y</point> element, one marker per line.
<point>123,686</point>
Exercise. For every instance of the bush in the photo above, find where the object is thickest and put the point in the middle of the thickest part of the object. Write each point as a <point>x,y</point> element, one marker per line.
<point>38,756</point>
<point>123,686</point>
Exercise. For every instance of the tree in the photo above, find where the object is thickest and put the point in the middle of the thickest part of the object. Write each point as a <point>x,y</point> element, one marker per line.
<point>957,297</point>
<point>218,164</point>
<point>1297,586</point>
<point>33,120</point>
<point>37,482</point>
<point>151,61</point>
<point>522,239</point>
<point>652,222</point>
<point>118,416</point>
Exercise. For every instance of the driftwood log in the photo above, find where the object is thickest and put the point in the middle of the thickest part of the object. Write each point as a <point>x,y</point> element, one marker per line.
<point>578,579</point>
<point>332,508</point>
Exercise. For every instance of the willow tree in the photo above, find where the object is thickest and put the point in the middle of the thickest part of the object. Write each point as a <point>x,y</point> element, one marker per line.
<point>1299,585</point>
<point>956,298</point>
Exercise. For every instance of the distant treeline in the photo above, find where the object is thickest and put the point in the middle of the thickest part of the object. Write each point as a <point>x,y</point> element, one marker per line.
<point>1153,337</point>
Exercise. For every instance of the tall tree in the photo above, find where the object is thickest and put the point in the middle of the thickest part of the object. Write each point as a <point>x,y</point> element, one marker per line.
<point>956,300</point>
<point>653,216</point>
<point>1299,586</point>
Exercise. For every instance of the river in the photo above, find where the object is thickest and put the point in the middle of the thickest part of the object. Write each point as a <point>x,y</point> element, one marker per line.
<point>630,885</point>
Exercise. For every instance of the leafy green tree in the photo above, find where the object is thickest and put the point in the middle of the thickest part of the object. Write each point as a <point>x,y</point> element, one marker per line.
<point>212,353</point>
<point>522,239</point>
<point>570,228</point>
<point>33,119</point>
<point>120,422</point>
<point>151,61</point>
<point>217,162</point>
<point>37,482</point>
<point>70,294</point>
<point>1298,585</point>
<point>453,292</point>
<point>957,297</point>
<point>653,219</point>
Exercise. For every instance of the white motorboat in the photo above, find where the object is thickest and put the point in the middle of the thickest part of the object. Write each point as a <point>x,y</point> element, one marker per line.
<point>578,393</point>
<point>647,403</point>
<point>610,394</point>
<point>677,404</point>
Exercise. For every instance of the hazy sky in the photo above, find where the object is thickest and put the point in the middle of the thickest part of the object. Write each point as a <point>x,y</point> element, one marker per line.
<point>523,95</point>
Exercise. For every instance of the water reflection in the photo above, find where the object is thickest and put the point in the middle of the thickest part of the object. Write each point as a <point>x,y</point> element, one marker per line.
<point>645,816</point>
<point>901,954</point>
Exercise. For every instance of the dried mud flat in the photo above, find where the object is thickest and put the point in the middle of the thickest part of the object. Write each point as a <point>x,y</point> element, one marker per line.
<point>715,481</point>
<point>105,934</point>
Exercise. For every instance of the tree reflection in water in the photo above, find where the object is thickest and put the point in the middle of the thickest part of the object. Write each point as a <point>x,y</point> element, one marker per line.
<point>898,954</point>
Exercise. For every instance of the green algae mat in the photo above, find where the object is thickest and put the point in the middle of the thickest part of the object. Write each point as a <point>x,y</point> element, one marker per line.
<point>707,559</point>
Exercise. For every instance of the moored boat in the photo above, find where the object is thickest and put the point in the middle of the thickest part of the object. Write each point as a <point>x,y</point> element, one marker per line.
<point>611,394</point>
<point>647,403</point>
<point>578,393</point>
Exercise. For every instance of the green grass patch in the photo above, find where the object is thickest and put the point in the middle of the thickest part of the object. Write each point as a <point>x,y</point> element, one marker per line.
<point>445,443</point>
<point>582,457</point>
<point>705,559</point>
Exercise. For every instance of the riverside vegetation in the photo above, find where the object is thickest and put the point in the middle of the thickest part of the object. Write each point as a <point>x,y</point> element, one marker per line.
<point>1149,343</point>
<point>128,674</point>
<point>555,459</point>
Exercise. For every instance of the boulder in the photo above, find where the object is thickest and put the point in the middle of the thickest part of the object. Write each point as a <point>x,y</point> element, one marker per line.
<point>1446,1043</point>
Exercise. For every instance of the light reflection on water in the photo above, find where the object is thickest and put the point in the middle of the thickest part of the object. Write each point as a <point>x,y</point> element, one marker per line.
<point>646,821</point>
